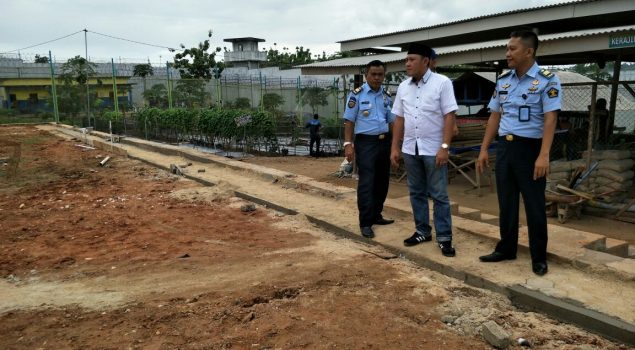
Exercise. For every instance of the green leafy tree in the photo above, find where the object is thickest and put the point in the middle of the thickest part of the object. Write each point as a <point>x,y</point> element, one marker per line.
<point>314,96</point>
<point>41,59</point>
<point>157,96</point>
<point>272,101</point>
<point>341,54</point>
<point>74,75</point>
<point>285,59</point>
<point>143,71</point>
<point>196,62</point>
<point>592,70</point>
<point>190,93</point>
<point>242,102</point>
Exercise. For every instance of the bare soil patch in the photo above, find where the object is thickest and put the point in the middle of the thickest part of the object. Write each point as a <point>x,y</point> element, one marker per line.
<point>128,256</point>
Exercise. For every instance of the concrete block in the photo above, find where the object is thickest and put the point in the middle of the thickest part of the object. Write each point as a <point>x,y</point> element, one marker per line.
<point>454,208</point>
<point>469,213</point>
<point>631,251</point>
<point>490,219</point>
<point>624,268</point>
<point>616,247</point>
<point>591,258</point>
<point>495,335</point>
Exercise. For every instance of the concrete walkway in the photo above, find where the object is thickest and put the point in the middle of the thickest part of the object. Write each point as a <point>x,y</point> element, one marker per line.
<point>587,287</point>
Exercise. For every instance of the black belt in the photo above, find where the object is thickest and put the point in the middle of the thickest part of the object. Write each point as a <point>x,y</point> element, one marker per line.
<point>379,137</point>
<point>512,138</point>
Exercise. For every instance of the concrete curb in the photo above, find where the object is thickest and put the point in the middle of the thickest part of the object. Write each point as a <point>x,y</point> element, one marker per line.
<point>593,321</point>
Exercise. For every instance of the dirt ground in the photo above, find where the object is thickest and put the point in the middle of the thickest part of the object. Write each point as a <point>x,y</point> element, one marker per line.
<point>460,191</point>
<point>130,257</point>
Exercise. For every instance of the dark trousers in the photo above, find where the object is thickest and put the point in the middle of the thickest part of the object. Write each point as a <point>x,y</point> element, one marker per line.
<point>514,175</point>
<point>314,140</point>
<point>373,165</point>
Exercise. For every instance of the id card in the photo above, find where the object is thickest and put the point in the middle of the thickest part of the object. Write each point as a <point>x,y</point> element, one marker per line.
<point>523,113</point>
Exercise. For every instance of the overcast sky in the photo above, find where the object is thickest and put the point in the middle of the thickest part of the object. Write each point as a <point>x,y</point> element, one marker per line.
<point>314,24</point>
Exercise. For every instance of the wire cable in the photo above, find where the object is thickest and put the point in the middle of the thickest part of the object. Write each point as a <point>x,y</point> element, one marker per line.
<point>46,42</point>
<point>132,41</point>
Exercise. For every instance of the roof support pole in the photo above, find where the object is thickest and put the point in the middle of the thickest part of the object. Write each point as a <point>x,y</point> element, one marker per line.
<point>617,67</point>
<point>591,136</point>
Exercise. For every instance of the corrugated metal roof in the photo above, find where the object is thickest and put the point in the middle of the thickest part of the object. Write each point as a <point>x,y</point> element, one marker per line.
<point>565,77</point>
<point>395,57</point>
<point>500,14</point>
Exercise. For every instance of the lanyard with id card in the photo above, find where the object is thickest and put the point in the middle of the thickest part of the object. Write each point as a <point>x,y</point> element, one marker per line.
<point>523,113</point>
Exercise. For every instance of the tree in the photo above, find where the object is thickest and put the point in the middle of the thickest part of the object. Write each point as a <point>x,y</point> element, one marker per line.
<point>284,59</point>
<point>592,70</point>
<point>157,96</point>
<point>271,101</point>
<point>314,96</point>
<point>143,71</point>
<point>242,102</point>
<point>74,75</point>
<point>190,93</point>
<point>196,62</point>
<point>41,59</point>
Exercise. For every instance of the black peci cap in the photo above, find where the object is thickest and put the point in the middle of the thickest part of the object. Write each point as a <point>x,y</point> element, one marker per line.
<point>420,49</point>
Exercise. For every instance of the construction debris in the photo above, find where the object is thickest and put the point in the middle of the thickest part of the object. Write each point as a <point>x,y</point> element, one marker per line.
<point>103,162</point>
<point>245,208</point>
<point>176,170</point>
<point>84,146</point>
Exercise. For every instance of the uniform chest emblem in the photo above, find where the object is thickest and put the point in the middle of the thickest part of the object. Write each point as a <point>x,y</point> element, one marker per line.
<point>535,82</point>
<point>506,86</point>
<point>533,89</point>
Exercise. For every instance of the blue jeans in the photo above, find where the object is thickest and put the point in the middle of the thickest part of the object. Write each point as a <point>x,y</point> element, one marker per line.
<point>426,179</point>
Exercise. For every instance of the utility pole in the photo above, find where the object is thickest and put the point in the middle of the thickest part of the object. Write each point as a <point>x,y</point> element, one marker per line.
<point>88,78</point>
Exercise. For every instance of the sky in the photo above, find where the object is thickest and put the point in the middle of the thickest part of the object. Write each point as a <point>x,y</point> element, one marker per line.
<point>316,25</point>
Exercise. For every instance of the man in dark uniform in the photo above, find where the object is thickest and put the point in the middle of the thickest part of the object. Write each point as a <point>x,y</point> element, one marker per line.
<point>314,133</point>
<point>368,121</point>
<point>524,111</point>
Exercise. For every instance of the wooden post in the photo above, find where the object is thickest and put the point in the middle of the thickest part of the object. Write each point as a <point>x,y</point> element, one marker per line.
<point>594,92</point>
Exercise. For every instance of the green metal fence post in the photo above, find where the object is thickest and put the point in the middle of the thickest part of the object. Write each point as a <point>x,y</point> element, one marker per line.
<point>167,74</point>
<point>114,87</point>
<point>56,112</point>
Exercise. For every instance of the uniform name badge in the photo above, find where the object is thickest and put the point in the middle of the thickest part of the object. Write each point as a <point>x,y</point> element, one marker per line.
<point>523,113</point>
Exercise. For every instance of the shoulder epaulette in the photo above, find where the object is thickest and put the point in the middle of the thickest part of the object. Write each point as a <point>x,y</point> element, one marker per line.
<point>505,74</point>
<point>545,73</point>
<point>358,90</point>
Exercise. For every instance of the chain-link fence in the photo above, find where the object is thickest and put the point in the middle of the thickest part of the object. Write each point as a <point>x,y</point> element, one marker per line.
<point>610,126</point>
<point>105,94</point>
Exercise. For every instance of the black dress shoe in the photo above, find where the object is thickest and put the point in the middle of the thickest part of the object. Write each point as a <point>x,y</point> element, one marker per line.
<point>383,221</point>
<point>368,232</point>
<point>540,269</point>
<point>496,257</point>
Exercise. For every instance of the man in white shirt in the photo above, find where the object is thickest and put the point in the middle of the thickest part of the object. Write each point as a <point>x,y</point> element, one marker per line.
<point>425,107</point>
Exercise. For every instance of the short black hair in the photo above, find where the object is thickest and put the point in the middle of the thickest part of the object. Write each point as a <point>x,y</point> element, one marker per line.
<point>315,116</point>
<point>375,63</point>
<point>529,38</point>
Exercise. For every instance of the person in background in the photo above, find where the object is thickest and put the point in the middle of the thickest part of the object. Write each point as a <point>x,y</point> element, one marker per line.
<point>314,132</point>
